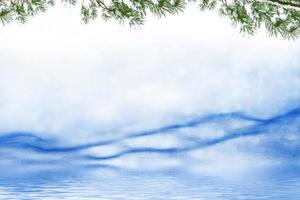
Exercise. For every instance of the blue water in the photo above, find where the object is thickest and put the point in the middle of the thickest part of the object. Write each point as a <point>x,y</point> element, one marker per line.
<point>217,156</point>
<point>106,184</point>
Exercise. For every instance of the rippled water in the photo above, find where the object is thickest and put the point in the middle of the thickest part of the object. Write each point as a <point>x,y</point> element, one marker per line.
<point>219,156</point>
<point>107,184</point>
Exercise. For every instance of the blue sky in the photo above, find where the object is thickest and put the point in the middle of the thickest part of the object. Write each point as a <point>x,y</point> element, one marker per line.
<point>61,77</point>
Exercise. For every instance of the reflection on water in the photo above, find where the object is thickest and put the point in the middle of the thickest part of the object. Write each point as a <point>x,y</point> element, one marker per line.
<point>219,156</point>
<point>108,184</point>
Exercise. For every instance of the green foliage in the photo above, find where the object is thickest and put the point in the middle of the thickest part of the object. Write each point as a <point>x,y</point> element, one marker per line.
<point>279,17</point>
<point>131,11</point>
<point>20,10</point>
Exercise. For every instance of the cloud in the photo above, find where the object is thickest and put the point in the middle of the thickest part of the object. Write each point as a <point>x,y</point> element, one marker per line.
<point>61,77</point>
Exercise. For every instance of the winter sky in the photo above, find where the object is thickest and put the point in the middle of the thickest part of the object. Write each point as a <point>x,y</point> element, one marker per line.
<point>60,76</point>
